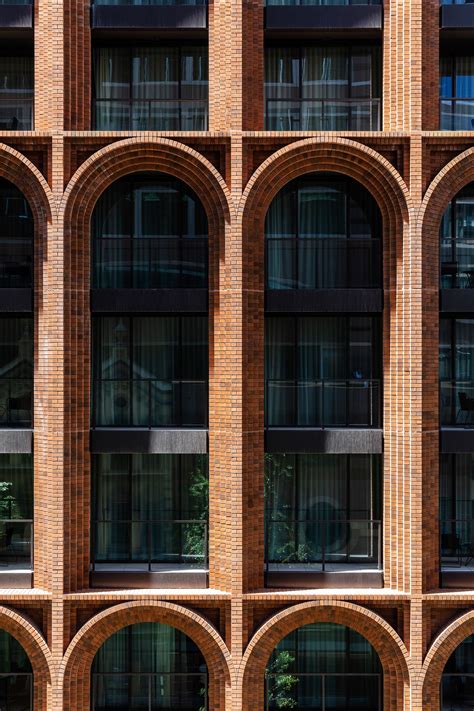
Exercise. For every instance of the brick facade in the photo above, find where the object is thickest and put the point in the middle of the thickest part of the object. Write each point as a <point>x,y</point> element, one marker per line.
<point>236,168</point>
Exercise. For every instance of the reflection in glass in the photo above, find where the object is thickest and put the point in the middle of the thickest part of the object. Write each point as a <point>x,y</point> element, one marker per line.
<point>322,88</point>
<point>16,675</point>
<point>457,685</point>
<point>323,509</point>
<point>16,238</point>
<point>150,371</point>
<point>457,241</point>
<point>16,371</point>
<point>161,88</point>
<point>149,232</point>
<point>456,371</point>
<point>150,508</point>
<point>457,93</point>
<point>149,666</point>
<point>324,666</point>
<point>323,232</point>
<point>322,371</point>
<point>16,93</point>
<point>16,509</point>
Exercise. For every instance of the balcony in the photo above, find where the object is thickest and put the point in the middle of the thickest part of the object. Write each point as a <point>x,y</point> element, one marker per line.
<point>151,15</point>
<point>323,15</point>
<point>323,115</point>
<point>16,14</point>
<point>457,14</point>
<point>16,553</point>
<point>457,552</point>
<point>149,691</point>
<point>308,553</point>
<point>155,553</point>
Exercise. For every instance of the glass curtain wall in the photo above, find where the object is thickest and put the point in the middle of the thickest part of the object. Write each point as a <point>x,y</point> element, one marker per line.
<point>456,371</point>
<point>159,88</point>
<point>324,666</point>
<point>150,371</point>
<point>16,371</point>
<point>322,88</point>
<point>323,232</point>
<point>457,241</point>
<point>456,507</point>
<point>322,371</point>
<point>16,675</point>
<point>323,509</point>
<point>457,93</point>
<point>16,239</point>
<point>151,2</point>
<point>16,509</point>
<point>325,3</point>
<point>16,93</point>
<point>149,232</point>
<point>149,666</point>
<point>457,685</point>
<point>150,508</point>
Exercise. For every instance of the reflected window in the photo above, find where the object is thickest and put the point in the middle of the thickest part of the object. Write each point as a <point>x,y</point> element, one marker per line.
<point>16,675</point>
<point>324,666</point>
<point>16,93</point>
<point>323,511</point>
<point>456,371</point>
<point>323,232</point>
<point>16,510</point>
<point>457,241</point>
<point>322,371</point>
<point>457,684</point>
<point>16,371</point>
<point>322,88</point>
<point>457,93</point>
<point>149,232</point>
<point>159,88</point>
<point>149,666</point>
<point>150,510</point>
<point>16,238</point>
<point>456,509</point>
<point>150,371</point>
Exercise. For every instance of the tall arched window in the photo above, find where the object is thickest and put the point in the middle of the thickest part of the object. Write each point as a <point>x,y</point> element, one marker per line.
<point>149,231</point>
<point>16,238</point>
<point>457,241</point>
<point>324,666</point>
<point>457,683</point>
<point>323,232</point>
<point>149,666</point>
<point>16,675</point>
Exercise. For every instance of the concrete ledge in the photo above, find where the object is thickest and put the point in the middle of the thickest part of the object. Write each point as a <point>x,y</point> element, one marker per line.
<point>330,441</point>
<point>317,300</point>
<point>16,442</point>
<point>174,580</point>
<point>342,17</point>
<point>149,17</point>
<point>303,581</point>
<point>457,17</point>
<point>16,16</point>
<point>456,300</point>
<point>144,300</point>
<point>16,300</point>
<point>15,579</point>
<point>129,441</point>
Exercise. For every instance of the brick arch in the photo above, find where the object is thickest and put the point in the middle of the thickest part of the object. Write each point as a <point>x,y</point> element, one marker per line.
<point>16,168</point>
<point>76,665</point>
<point>39,654</point>
<point>438,654</point>
<point>386,642</point>
<point>96,174</point>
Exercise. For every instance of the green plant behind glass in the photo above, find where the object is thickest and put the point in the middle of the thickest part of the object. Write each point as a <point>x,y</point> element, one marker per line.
<point>280,693</point>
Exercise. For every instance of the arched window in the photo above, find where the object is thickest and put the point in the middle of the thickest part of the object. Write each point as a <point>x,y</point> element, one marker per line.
<point>16,675</point>
<point>324,666</point>
<point>16,239</point>
<point>323,232</point>
<point>457,241</point>
<point>457,683</point>
<point>149,231</point>
<point>149,666</point>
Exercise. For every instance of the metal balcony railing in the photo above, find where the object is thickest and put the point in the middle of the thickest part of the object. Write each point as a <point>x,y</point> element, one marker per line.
<point>457,541</point>
<point>16,542</point>
<point>16,401</point>
<point>457,402</point>
<point>323,403</point>
<point>323,691</point>
<point>457,114</point>
<point>167,691</point>
<point>324,542</point>
<point>322,114</point>
<point>149,403</point>
<point>323,263</point>
<point>151,114</point>
<point>173,541</point>
<point>457,263</point>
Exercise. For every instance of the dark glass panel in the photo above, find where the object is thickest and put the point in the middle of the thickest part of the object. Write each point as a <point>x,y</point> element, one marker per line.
<point>16,238</point>
<point>457,241</point>
<point>16,370</point>
<point>16,93</point>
